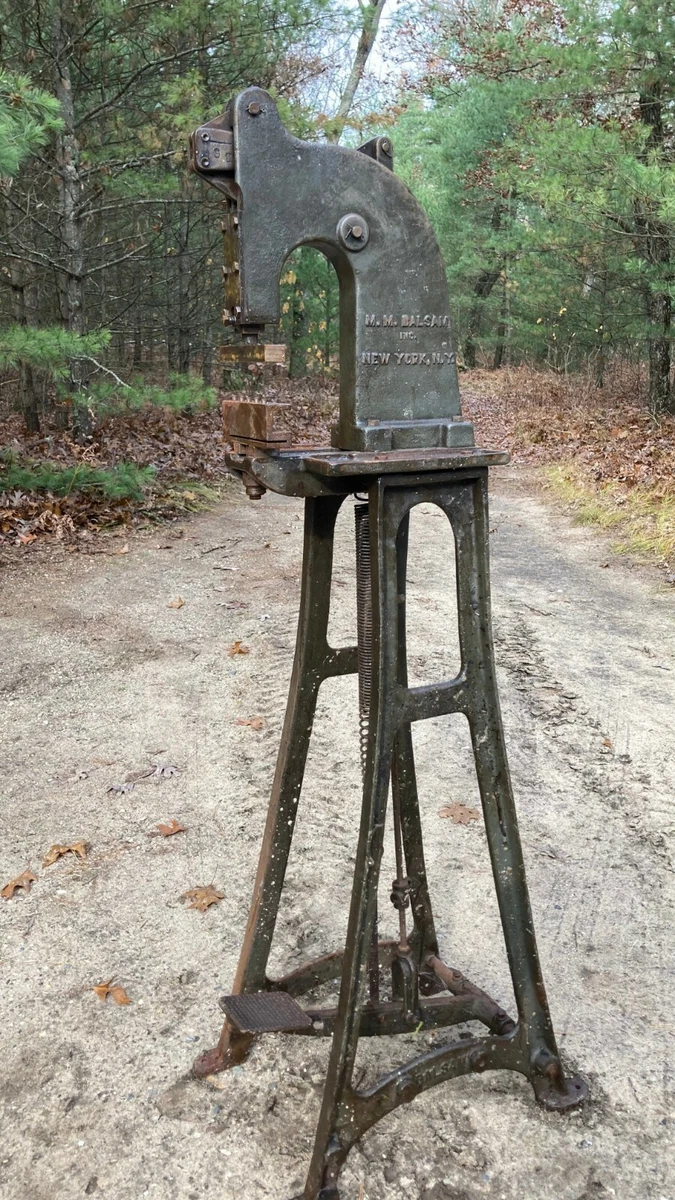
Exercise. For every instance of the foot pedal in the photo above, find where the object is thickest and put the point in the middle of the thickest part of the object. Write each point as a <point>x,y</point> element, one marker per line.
<point>265,1012</point>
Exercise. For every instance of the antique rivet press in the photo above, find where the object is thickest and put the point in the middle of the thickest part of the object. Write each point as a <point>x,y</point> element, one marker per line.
<point>401,440</point>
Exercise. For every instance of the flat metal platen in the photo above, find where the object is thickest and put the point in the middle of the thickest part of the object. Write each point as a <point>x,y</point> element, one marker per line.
<point>265,1012</point>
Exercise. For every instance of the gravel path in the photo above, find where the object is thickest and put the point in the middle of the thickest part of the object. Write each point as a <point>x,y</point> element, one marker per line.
<point>100,677</point>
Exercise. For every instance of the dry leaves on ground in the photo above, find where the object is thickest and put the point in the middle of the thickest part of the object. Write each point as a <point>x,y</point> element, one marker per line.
<point>165,770</point>
<point>103,990</point>
<point>203,897</point>
<point>237,648</point>
<point>23,880</point>
<point>253,722</point>
<point>168,830</point>
<point>177,603</point>
<point>459,813</point>
<point>57,851</point>
<point>121,789</point>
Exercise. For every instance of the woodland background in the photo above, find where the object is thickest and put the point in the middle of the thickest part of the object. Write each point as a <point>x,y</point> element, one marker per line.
<point>539,136</point>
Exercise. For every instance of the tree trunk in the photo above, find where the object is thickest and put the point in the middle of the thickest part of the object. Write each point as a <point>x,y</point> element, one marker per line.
<point>184,347</point>
<point>372,11</point>
<point>659,314</point>
<point>654,246</point>
<point>484,285</point>
<point>498,357</point>
<point>72,234</point>
<point>19,283</point>
<point>297,366</point>
<point>207,356</point>
<point>482,288</point>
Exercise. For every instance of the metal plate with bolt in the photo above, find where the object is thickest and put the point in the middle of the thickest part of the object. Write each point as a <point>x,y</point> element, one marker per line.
<point>400,440</point>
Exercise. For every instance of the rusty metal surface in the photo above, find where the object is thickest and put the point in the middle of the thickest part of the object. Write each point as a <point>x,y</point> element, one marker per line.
<point>242,353</point>
<point>254,421</point>
<point>318,472</point>
<point>398,376</point>
<point>525,1042</point>
<point>401,439</point>
<point>265,1012</point>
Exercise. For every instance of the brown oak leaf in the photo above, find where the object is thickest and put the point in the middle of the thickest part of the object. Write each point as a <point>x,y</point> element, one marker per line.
<point>57,851</point>
<point>203,897</point>
<point>23,880</point>
<point>459,813</point>
<point>173,826</point>
<point>237,648</point>
<point>177,603</point>
<point>103,990</point>
<point>253,722</point>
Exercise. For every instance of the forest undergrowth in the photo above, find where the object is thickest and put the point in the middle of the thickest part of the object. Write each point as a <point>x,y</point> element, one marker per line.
<point>599,451</point>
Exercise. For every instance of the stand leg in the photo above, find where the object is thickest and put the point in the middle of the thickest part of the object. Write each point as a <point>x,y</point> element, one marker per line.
<point>470,523</point>
<point>314,661</point>
<point>332,1138</point>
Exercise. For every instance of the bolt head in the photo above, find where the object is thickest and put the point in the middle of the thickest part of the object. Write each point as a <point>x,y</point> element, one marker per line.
<point>205,160</point>
<point>353,232</point>
<point>254,109</point>
<point>205,137</point>
<point>386,145</point>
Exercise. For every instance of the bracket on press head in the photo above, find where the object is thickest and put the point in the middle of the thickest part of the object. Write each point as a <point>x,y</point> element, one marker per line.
<point>398,377</point>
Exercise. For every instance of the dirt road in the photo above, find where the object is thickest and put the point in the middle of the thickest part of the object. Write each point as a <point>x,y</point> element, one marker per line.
<point>100,677</point>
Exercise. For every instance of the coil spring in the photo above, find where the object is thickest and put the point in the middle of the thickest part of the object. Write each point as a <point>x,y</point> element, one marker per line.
<point>364,624</point>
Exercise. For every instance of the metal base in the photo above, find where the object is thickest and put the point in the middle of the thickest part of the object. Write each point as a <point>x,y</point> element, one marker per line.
<point>425,992</point>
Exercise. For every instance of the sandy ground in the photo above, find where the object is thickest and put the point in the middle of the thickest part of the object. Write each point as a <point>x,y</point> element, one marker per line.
<point>100,676</point>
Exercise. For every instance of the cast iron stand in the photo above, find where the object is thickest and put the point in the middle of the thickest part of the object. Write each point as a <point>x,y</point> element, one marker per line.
<point>425,993</point>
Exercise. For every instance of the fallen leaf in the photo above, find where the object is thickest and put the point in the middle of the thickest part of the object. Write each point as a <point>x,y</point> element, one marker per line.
<point>26,538</point>
<point>121,789</point>
<point>174,826</point>
<point>103,762</point>
<point>166,770</point>
<point>152,753</point>
<point>103,990</point>
<point>254,722</point>
<point>608,743</point>
<point>122,550</point>
<point>23,880</point>
<point>203,897</point>
<point>57,851</point>
<point>177,603</point>
<point>237,648</point>
<point>459,813</point>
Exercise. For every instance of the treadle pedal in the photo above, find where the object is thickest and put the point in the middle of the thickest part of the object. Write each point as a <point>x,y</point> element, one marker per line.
<point>264,1012</point>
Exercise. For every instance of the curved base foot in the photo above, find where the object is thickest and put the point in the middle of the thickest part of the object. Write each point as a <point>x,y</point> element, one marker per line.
<point>222,1057</point>
<point>562,1096</point>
